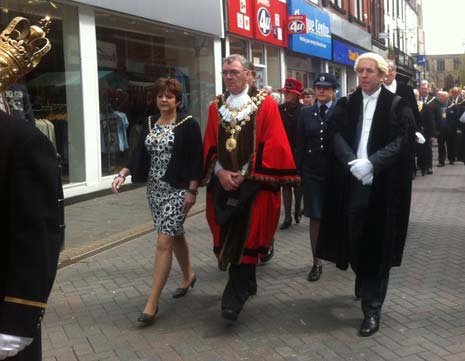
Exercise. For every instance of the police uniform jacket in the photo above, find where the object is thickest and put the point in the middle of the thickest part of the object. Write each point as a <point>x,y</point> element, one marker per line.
<point>30,224</point>
<point>312,143</point>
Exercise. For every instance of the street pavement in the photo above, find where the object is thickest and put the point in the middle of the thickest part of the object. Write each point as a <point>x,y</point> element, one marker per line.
<point>95,301</point>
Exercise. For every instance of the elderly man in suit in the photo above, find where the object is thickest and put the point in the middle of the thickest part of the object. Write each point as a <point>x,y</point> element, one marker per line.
<point>366,212</point>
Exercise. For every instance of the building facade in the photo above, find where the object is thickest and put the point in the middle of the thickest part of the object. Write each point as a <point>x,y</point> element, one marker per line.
<point>94,90</point>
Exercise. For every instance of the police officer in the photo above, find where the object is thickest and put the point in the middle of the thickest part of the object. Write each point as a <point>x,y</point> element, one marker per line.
<point>312,158</point>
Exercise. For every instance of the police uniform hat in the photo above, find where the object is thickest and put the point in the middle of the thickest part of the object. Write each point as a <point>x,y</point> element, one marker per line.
<point>326,79</point>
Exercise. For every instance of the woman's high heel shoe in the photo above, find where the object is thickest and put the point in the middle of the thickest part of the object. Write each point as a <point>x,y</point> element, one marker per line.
<point>181,292</point>
<point>147,319</point>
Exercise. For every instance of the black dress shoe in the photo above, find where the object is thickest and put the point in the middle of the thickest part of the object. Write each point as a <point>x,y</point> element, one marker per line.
<point>286,224</point>
<point>315,273</point>
<point>181,292</point>
<point>423,172</point>
<point>269,254</point>
<point>369,326</point>
<point>147,319</point>
<point>429,171</point>
<point>229,314</point>
<point>441,165</point>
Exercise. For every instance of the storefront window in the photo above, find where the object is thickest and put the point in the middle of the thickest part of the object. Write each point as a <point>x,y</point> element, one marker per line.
<point>54,87</point>
<point>301,67</point>
<point>273,67</point>
<point>132,55</point>
<point>238,46</point>
<point>258,53</point>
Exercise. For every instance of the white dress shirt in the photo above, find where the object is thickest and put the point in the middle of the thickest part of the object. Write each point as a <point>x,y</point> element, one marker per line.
<point>369,106</point>
<point>391,87</point>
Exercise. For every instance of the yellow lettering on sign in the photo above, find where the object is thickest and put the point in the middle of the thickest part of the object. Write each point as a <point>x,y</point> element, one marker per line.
<point>353,55</point>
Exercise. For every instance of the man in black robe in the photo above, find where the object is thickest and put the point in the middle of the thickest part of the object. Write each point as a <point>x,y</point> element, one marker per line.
<point>30,216</point>
<point>366,212</point>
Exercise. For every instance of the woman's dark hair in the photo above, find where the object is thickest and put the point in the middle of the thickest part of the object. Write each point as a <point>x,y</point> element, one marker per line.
<point>169,85</point>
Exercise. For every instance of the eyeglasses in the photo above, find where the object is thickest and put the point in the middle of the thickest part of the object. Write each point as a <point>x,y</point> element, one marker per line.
<point>233,73</point>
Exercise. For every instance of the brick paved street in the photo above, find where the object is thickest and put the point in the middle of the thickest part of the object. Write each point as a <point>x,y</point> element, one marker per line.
<point>94,304</point>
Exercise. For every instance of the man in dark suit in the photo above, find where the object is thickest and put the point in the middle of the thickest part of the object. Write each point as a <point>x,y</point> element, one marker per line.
<point>446,128</point>
<point>430,113</point>
<point>30,190</point>
<point>366,212</point>
<point>405,91</point>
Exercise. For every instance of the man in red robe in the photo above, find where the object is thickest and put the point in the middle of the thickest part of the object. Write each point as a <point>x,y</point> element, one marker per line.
<point>246,157</point>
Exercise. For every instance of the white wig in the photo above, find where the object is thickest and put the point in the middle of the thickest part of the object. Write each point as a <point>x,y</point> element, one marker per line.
<point>378,59</point>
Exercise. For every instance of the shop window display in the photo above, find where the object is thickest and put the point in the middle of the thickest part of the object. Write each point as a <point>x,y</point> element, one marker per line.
<point>50,95</point>
<point>132,55</point>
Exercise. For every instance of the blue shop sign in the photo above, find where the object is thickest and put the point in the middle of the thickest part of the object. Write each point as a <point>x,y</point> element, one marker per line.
<point>345,54</point>
<point>317,37</point>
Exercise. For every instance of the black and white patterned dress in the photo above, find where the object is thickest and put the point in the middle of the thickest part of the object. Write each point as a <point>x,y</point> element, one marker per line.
<point>164,200</point>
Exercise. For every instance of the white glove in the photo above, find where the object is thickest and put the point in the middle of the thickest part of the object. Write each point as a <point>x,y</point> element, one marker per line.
<point>360,168</point>
<point>420,138</point>
<point>11,345</point>
<point>368,179</point>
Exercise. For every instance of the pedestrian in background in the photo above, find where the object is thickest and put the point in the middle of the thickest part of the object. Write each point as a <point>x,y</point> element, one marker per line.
<point>366,212</point>
<point>308,97</point>
<point>430,114</point>
<point>312,158</point>
<point>290,111</point>
<point>169,157</point>
<point>247,158</point>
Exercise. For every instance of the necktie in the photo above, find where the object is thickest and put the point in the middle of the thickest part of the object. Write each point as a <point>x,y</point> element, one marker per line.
<point>323,108</point>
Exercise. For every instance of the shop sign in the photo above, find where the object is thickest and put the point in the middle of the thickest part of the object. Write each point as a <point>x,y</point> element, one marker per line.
<point>271,18</point>
<point>106,55</point>
<point>344,53</point>
<point>297,24</point>
<point>263,20</point>
<point>240,13</point>
<point>316,40</point>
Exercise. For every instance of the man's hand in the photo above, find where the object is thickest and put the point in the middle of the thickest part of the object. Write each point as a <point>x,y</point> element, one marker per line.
<point>360,168</point>
<point>11,345</point>
<point>230,181</point>
<point>420,138</point>
<point>368,179</point>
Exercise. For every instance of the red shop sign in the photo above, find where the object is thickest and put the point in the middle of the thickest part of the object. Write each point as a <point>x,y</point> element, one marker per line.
<point>240,17</point>
<point>271,21</point>
<point>264,20</point>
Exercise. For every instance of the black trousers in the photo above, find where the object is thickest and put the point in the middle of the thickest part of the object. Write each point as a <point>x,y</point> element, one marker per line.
<point>424,154</point>
<point>373,291</point>
<point>446,139</point>
<point>242,281</point>
<point>370,286</point>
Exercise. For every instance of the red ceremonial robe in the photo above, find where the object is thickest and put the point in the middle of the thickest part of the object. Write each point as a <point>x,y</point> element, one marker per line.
<point>270,165</point>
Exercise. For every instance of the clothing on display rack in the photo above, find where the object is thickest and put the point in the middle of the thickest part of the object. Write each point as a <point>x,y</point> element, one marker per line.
<point>47,127</point>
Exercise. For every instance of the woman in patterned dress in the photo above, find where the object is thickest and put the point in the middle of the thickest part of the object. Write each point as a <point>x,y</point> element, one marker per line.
<point>169,157</point>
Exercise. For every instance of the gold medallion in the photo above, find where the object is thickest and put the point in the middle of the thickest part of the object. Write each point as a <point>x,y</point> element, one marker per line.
<point>231,144</point>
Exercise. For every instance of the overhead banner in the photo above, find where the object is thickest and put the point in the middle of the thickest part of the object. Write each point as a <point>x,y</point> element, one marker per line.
<point>344,53</point>
<point>264,20</point>
<point>316,40</point>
